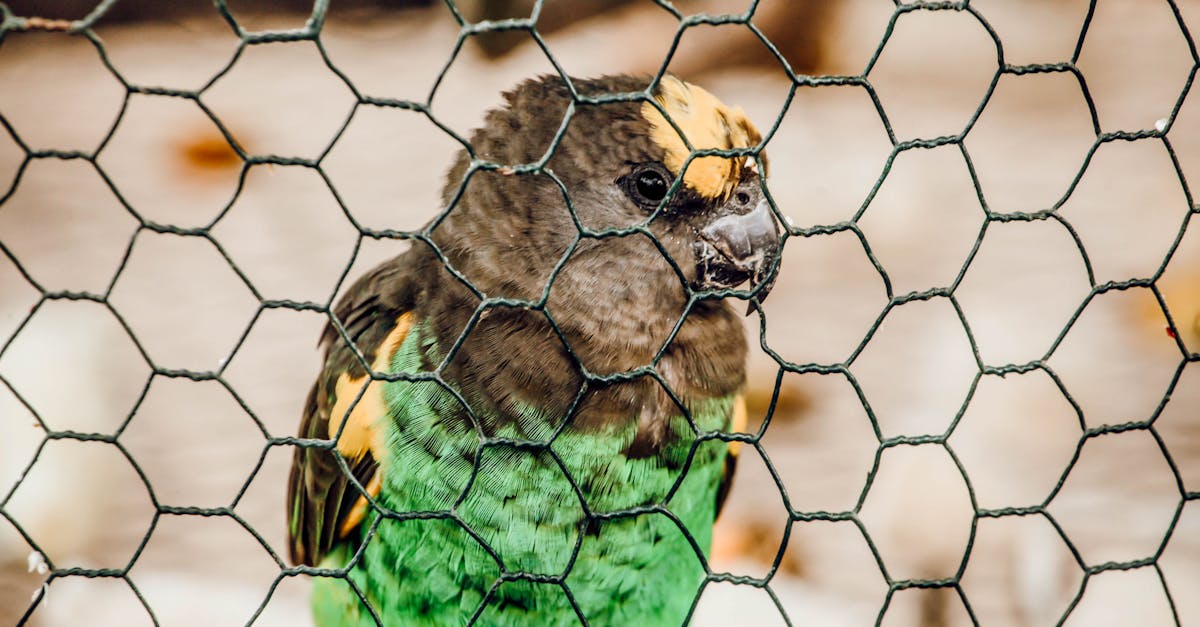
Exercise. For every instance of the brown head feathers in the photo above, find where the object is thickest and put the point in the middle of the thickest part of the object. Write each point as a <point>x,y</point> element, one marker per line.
<point>694,120</point>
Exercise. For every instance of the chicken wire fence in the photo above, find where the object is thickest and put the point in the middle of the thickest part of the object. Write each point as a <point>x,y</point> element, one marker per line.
<point>312,32</point>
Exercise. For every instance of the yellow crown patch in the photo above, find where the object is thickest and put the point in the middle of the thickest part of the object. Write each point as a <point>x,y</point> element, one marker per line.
<point>708,124</point>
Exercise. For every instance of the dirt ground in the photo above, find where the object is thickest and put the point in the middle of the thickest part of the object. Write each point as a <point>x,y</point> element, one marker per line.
<point>1016,286</point>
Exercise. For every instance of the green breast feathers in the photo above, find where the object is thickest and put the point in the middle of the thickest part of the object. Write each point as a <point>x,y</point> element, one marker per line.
<point>423,566</point>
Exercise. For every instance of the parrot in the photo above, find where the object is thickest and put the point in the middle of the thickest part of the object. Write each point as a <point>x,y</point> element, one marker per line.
<point>518,418</point>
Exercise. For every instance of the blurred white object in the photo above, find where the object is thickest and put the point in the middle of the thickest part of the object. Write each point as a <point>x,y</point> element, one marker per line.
<point>58,363</point>
<point>37,562</point>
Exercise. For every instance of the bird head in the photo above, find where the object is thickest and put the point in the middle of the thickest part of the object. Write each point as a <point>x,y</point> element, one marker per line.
<point>607,200</point>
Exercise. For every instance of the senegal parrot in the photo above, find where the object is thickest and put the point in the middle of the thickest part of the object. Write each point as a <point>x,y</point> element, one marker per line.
<point>517,419</point>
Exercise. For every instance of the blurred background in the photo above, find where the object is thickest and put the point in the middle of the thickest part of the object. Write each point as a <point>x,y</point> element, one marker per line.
<point>1040,359</point>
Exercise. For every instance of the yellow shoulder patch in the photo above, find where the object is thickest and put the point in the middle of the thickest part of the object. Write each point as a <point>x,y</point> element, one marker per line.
<point>708,124</point>
<point>355,517</point>
<point>361,433</point>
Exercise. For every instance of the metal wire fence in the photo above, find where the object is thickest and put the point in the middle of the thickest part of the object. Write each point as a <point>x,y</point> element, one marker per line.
<point>312,32</point>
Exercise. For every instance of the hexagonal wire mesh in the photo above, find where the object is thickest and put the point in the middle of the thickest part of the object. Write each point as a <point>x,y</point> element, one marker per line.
<point>1176,328</point>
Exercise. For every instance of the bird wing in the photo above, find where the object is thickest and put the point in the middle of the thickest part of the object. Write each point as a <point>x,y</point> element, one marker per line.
<point>346,405</point>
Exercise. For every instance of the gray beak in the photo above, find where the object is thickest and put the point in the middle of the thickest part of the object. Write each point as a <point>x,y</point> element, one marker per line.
<point>739,247</point>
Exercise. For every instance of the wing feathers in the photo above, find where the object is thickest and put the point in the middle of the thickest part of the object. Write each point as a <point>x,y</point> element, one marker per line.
<point>363,432</point>
<point>325,506</point>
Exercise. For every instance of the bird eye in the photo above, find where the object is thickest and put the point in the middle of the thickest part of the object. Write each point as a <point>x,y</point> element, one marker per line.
<point>648,184</point>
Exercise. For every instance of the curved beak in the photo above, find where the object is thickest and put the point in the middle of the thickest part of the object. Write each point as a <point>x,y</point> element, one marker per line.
<point>738,247</point>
